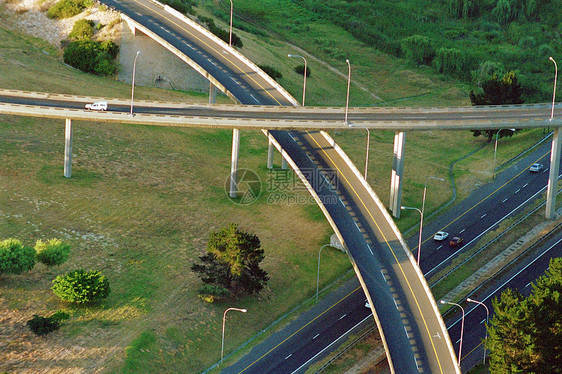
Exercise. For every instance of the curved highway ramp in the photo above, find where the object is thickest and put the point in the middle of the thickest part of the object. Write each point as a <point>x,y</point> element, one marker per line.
<point>413,331</point>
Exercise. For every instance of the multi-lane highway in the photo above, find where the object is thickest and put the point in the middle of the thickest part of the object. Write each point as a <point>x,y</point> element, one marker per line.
<point>293,349</point>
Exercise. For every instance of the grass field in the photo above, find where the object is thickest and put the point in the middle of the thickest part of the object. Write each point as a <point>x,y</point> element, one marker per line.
<point>141,204</point>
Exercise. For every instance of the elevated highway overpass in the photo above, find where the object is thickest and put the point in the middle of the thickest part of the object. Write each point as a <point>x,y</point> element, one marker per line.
<point>410,324</point>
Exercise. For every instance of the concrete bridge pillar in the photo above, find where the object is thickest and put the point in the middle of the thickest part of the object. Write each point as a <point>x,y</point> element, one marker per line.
<point>234,163</point>
<point>552,188</point>
<point>212,93</point>
<point>397,173</point>
<point>270,149</point>
<point>68,148</point>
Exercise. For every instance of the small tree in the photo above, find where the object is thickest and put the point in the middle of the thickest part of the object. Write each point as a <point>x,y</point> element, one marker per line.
<point>81,286</point>
<point>525,334</point>
<point>300,70</point>
<point>231,264</point>
<point>53,252</point>
<point>418,49</point>
<point>271,71</point>
<point>15,258</point>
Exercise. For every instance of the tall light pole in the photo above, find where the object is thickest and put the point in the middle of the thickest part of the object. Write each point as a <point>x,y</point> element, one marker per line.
<point>223,323</point>
<point>347,97</point>
<point>230,33</point>
<point>487,317</point>
<point>554,93</point>
<point>496,148</point>
<point>425,189</point>
<point>305,72</point>
<point>318,273</point>
<point>462,329</point>
<point>421,228</point>
<point>133,83</point>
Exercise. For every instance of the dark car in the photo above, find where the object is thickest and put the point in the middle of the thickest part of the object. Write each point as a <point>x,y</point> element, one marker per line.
<point>456,241</point>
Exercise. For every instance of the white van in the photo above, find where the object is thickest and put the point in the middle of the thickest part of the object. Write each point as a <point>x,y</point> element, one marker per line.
<point>98,105</point>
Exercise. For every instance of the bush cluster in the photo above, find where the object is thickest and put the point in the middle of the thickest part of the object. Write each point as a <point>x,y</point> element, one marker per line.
<point>81,286</point>
<point>271,71</point>
<point>15,258</point>
<point>92,57</point>
<point>224,35</point>
<point>44,325</point>
<point>300,70</point>
<point>53,252</point>
<point>68,8</point>
<point>82,29</point>
<point>182,6</point>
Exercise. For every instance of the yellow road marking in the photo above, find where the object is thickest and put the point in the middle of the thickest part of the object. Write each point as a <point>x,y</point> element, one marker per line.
<point>388,244</point>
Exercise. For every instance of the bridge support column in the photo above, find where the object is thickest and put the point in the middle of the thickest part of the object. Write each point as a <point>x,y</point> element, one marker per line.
<point>552,188</point>
<point>397,173</point>
<point>270,149</point>
<point>212,93</point>
<point>68,148</point>
<point>234,163</point>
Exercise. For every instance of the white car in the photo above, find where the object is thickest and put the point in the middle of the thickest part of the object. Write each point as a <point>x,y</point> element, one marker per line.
<point>98,105</point>
<point>535,168</point>
<point>441,235</point>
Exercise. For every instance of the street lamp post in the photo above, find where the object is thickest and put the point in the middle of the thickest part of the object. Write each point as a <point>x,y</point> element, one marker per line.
<point>305,72</point>
<point>133,83</point>
<point>318,273</point>
<point>421,228</point>
<point>496,148</point>
<point>347,97</point>
<point>223,323</point>
<point>487,317</point>
<point>230,32</point>
<point>554,93</point>
<point>425,189</point>
<point>462,329</point>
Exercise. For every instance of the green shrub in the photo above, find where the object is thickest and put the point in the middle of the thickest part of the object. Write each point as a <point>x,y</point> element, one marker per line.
<point>271,71</point>
<point>300,70</point>
<point>15,258</point>
<point>66,9</point>
<point>44,325</point>
<point>545,50</point>
<point>418,49</point>
<point>182,6</point>
<point>450,61</point>
<point>224,35</point>
<point>82,29</point>
<point>53,252</point>
<point>81,286</point>
<point>92,57</point>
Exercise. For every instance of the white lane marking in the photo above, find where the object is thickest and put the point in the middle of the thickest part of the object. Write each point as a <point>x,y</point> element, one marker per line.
<point>518,190</point>
<point>356,225</point>
<point>463,230</point>
<point>370,250</point>
<point>483,321</point>
<point>525,185</point>
<point>332,343</point>
<point>288,356</point>
<point>341,201</point>
<point>315,336</point>
<point>416,360</point>
<point>408,335</point>
<point>528,284</point>
<point>343,316</point>
<point>508,280</point>
<point>485,214</point>
<point>438,248</point>
<point>383,276</point>
<point>395,304</point>
<point>292,137</point>
<point>504,200</point>
<point>309,158</point>
<point>253,97</point>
